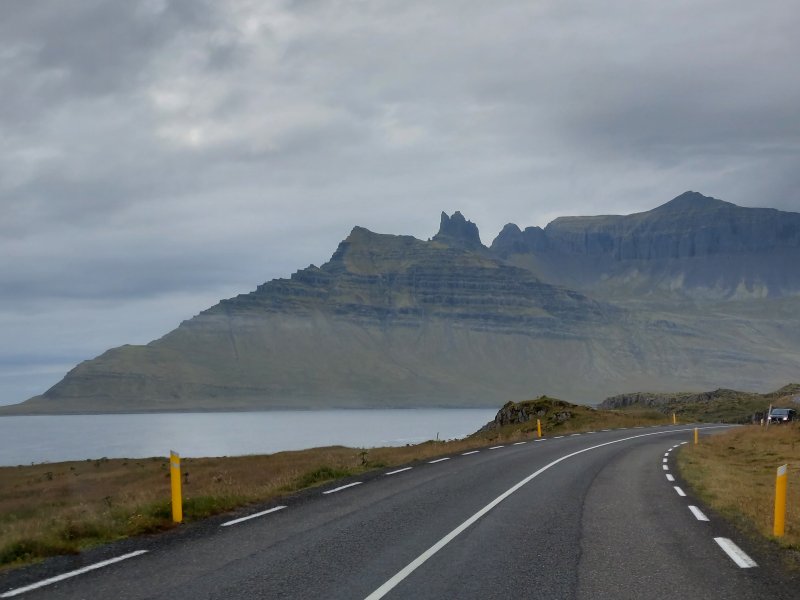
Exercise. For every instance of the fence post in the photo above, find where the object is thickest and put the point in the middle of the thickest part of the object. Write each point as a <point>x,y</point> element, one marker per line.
<point>175,480</point>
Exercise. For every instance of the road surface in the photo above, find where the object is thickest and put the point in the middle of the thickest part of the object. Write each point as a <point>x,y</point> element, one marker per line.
<point>592,516</point>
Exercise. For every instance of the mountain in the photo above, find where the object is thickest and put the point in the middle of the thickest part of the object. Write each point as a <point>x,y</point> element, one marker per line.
<point>693,246</point>
<point>393,321</point>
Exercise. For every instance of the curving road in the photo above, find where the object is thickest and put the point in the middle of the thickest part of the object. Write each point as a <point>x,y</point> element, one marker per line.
<point>584,516</point>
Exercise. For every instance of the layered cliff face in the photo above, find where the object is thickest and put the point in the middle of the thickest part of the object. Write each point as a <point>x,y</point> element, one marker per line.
<point>693,245</point>
<point>396,321</point>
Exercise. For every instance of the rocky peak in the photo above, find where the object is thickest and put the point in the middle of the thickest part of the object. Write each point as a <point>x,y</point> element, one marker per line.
<point>692,202</point>
<point>458,231</point>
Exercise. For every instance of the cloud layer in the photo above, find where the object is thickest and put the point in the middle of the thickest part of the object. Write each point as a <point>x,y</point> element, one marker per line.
<point>156,156</point>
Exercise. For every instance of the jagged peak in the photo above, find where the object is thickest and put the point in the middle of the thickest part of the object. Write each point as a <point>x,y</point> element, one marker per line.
<point>458,231</point>
<point>510,229</point>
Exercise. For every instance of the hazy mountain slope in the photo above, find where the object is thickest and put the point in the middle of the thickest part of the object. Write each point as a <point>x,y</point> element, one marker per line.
<point>395,321</point>
<point>693,246</point>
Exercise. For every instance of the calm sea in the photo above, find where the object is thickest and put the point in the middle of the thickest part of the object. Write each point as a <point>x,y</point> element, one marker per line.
<point>26,440</point>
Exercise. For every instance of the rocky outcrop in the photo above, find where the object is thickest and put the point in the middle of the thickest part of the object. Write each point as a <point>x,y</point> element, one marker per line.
<point>548,410</point>
<point>458,232</point>
<point>656,400</point>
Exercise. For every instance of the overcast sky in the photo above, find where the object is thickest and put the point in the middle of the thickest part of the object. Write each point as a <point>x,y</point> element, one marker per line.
<point>157,156</point>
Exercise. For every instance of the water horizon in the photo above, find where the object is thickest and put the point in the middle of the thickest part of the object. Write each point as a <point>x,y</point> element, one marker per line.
<point>28,439</point>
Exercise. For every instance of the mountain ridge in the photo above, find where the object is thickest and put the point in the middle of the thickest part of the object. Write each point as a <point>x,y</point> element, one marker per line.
<point>394,321</point>
<point>694,245</point>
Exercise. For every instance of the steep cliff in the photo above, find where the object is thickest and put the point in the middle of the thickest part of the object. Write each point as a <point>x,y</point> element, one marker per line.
<point>693,245</point>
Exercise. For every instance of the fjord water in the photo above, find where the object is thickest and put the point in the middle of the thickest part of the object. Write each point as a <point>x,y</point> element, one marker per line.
<point>53,438</point>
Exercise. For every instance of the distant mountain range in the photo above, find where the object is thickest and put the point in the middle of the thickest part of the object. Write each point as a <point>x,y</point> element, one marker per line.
<point>695,294</point>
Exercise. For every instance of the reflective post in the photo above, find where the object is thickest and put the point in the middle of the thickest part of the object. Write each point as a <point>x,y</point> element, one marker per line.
<point>539,427</point>
<point>175,480</point>
<point>779,527</point>
<point>674,420</point>
<point>695,435</point>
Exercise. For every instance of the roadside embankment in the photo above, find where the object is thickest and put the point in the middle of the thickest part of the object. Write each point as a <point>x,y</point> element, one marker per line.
<point>734,473</point>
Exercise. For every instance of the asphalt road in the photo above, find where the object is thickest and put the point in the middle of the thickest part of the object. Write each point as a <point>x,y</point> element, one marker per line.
<point>588,516</point>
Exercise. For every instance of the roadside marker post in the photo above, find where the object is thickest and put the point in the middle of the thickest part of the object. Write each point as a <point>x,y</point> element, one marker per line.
<point>779,528</point>
<point>674,420</point>
<point>695,435</point>
<point>539,427</point>
<point>175,480</point>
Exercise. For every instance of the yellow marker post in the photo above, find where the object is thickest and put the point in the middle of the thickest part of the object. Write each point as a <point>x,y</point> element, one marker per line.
<point>175,479</point>
<point>539,427</point>
<point>695,435</point>
<point>779,527</point>
<point>674,420</point>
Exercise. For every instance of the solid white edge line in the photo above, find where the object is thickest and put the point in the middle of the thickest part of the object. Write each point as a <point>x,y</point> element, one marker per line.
<point>64,576</point>
<point>496,447</point>
<point>519,443</point>
<point>470,452</point>
<point>398,471</point>
<point>698,514</point>
<point>433,462</point>
<point>679,491</point>
<point>344,487</point>
<point>422,558</point>
<point>670,477</point>
<point>735,553</point>
<point>253,516</point>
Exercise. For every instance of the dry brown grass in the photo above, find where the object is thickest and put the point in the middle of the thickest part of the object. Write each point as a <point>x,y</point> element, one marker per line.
<point>60,508</point>
<point>734,473</point>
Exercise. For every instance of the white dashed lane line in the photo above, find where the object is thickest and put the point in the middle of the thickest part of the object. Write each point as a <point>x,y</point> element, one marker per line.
<point>574,434</point>
<point>343,487</point>
<point>665,467</point>
<point>496,447</point>
<point>735,553</point>
<point>398,471</point>
<point>64,576</point>
<point>438,460</point>
<point>470,452</point>
<point>519,443</point>
<point>253,516</point>
<point>540,440</point>
<point>558,437</point>
<point>698,514</point>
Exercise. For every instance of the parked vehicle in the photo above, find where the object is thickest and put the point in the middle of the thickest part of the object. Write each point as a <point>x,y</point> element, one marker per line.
<point>782,415</point>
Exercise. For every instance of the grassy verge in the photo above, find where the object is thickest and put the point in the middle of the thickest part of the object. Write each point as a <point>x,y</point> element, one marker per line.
<point>734,473</point>
<point>60,508</point>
